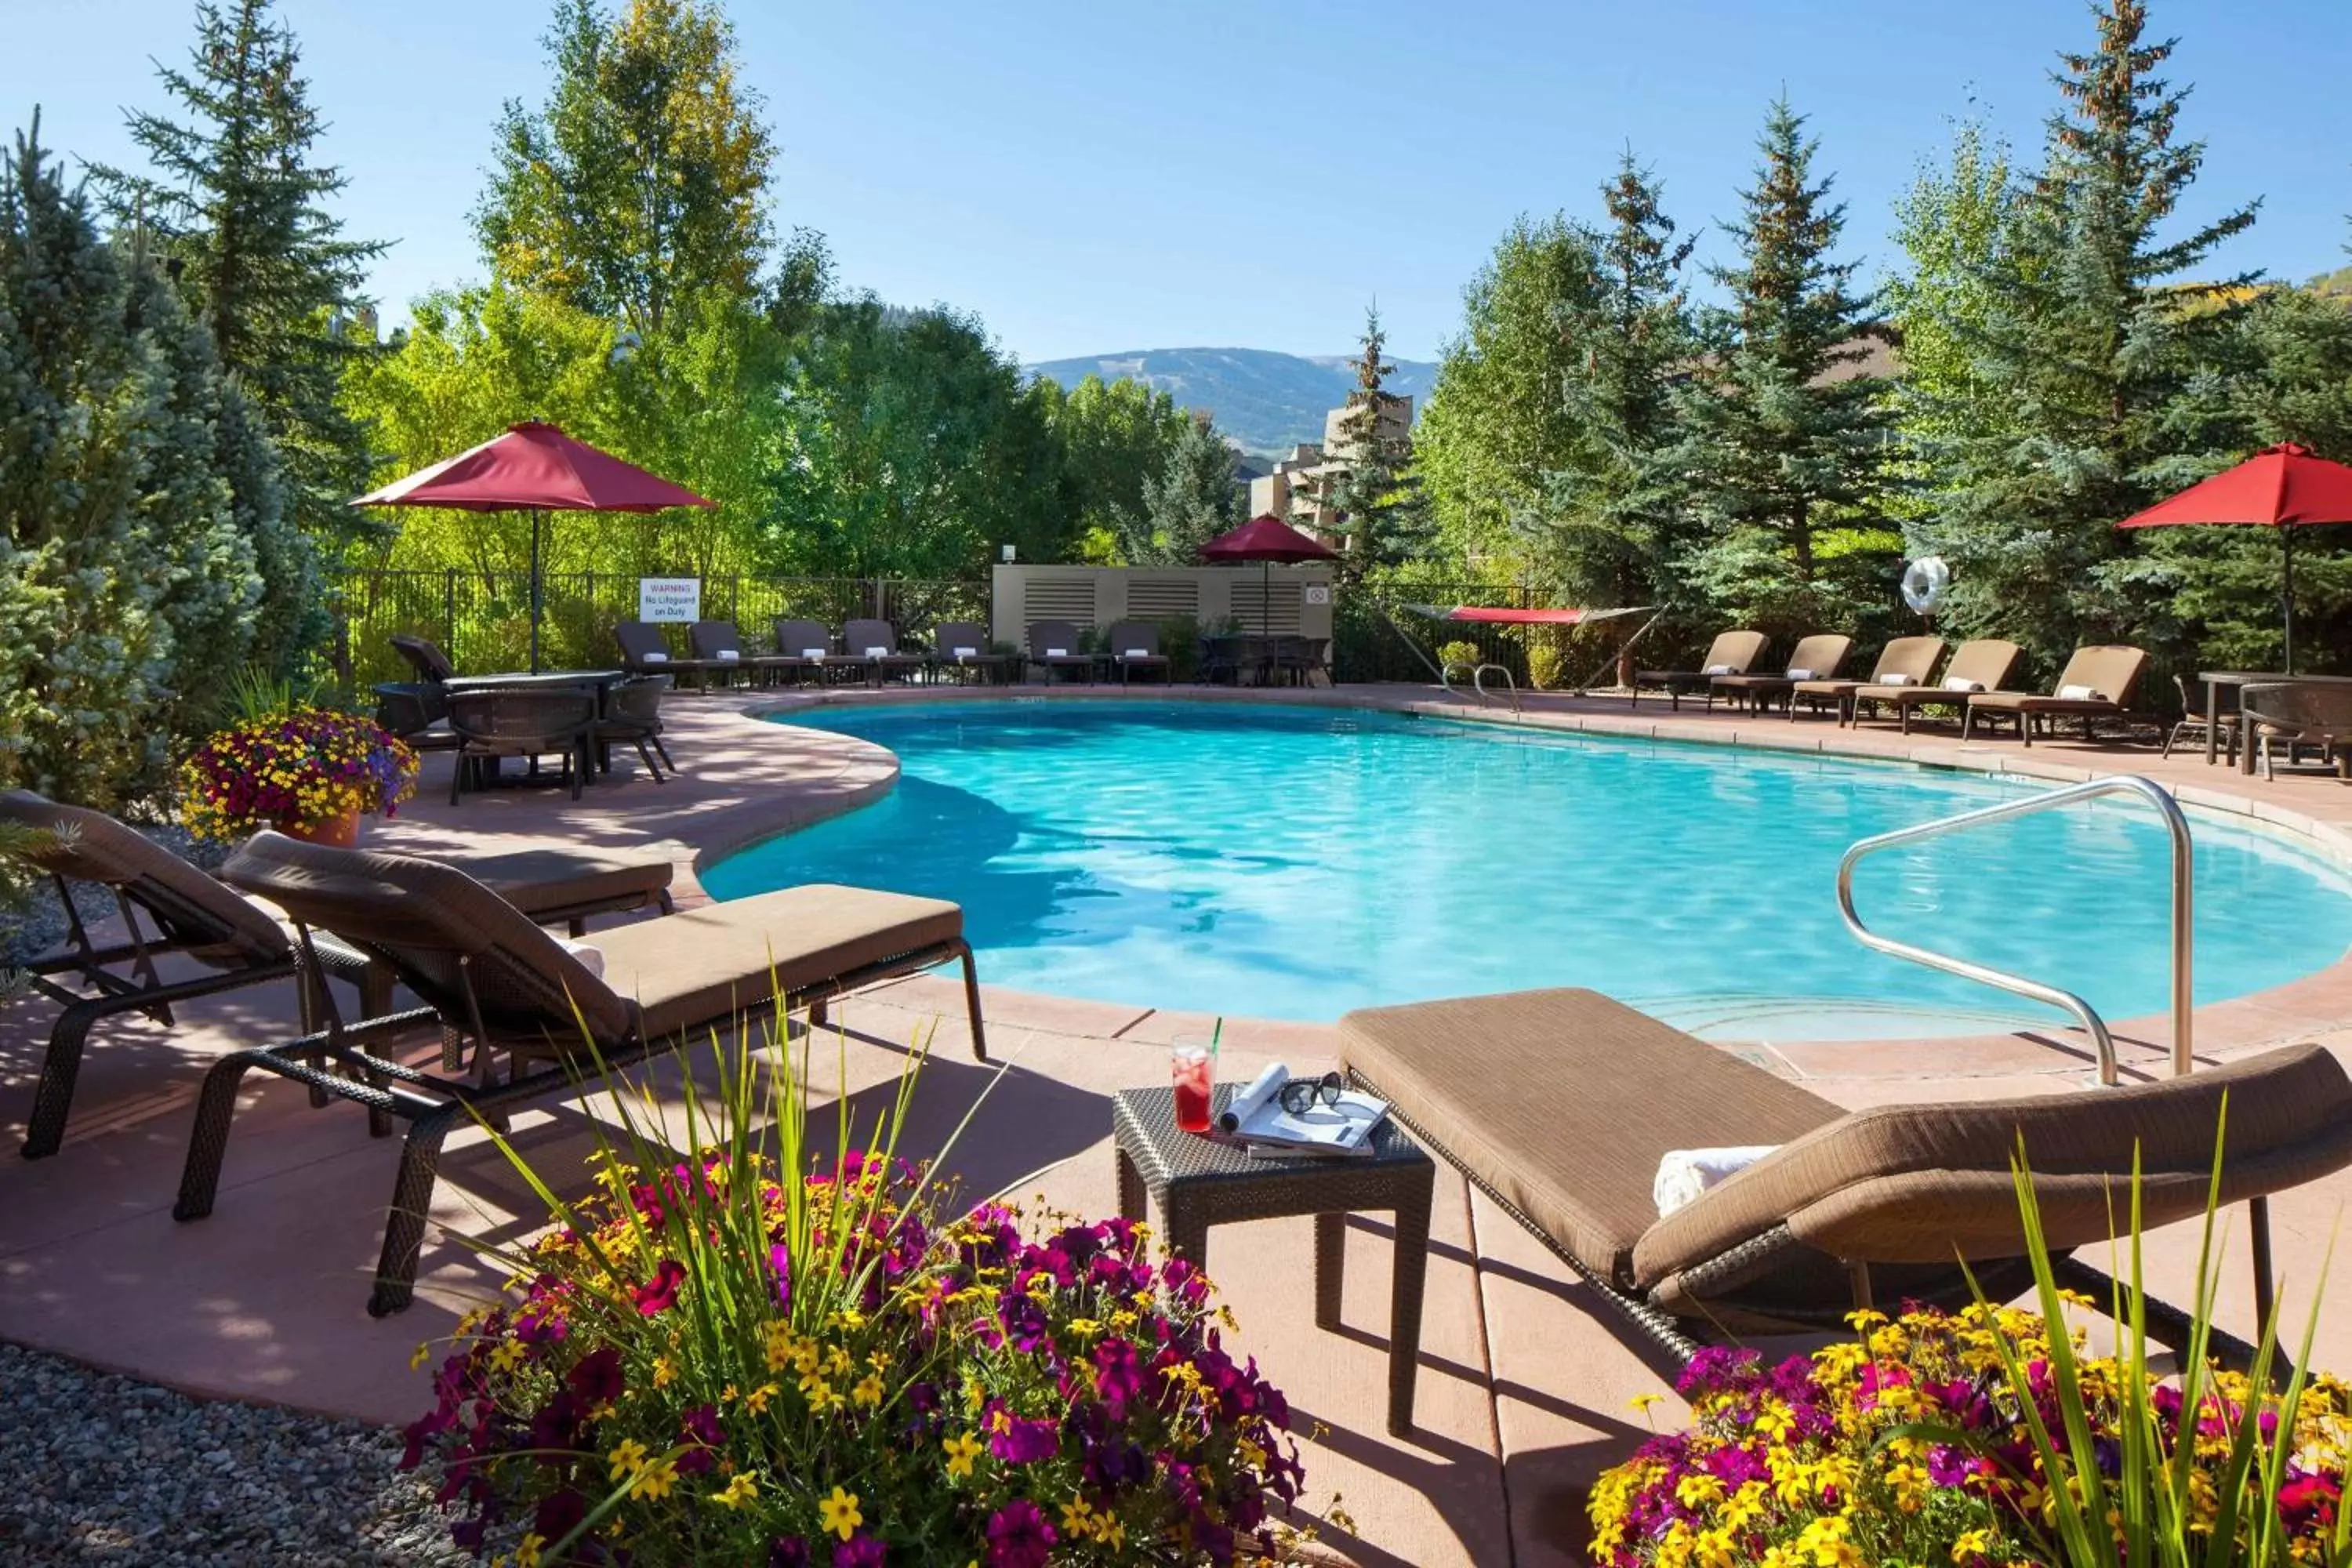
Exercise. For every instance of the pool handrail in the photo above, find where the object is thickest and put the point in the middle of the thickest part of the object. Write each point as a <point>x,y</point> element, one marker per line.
<point>2183,895</point>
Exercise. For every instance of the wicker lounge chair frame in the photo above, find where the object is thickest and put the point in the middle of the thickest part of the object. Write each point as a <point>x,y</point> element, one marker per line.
<point>1733,1268</point>
<point>1903,662</point>
<point>1823,654</point>
<point>1737,651</point>
<point>1062,635</point>
<point>188,911</point>
<point>646,651</point>
<point>720,645</point>
<point>470,955</point>
<point>949,636</point>
<point>2114,670</point>
<point>1125,635</point>
<point>795,637</point>
<point>1987,661</point>
<point>858,636</point>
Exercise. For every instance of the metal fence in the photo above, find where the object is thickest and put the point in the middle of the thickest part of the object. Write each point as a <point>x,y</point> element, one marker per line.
<point>482,619</point>
<point>1370,626</point>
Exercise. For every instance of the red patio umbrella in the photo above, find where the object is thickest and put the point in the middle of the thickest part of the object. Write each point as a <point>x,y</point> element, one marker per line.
<point>2283,487</point>
<point>537,469</point>
<point>1267,539</point>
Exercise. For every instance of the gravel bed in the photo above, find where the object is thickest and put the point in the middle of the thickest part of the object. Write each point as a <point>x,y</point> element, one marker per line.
<point>105,1470</point>
<point>41,925</point>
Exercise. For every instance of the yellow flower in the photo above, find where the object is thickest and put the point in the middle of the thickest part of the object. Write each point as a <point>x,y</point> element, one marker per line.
<point>756,1402</point>
<point>1699,1488</point>
<point>665,1372</point>
<point>655,1480</point>
<point>868,1390</point>
<point>527,1552</point>
<point>628,1459</point>
<point>507,1357</point>
<point>1086,1328</point>
<point>423,1354</point>
<point>1971,1544</point>
<point>739,1490</point>
<point>962,1449</point>
<point>1077,1518</point>
<point>1644,1401</point>
<point>839,1513</point>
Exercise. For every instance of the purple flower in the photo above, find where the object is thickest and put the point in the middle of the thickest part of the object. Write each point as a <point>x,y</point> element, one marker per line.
<point>780,1257</point>
<point>659,1294</point>
<point>699,1428</point>
<point>788,1552</point>
<point>1117,1378</point>
<point>1023,1442</point>
<point>559,1514</point>
<point>860,1551</point>
<point>596,1377</point>
<point>1019,1537</point>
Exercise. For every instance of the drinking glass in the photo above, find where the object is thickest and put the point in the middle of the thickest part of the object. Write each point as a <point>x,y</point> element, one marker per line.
<point>1192,1065</point>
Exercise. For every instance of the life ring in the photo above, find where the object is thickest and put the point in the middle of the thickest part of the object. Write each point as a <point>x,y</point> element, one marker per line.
<point>1924,582</point>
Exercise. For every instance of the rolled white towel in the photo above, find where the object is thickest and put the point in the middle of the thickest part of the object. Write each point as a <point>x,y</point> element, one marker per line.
<point>728,653</point>
<point>1716,669</point>
<point>2082,694</point>
<point>962,652</point>
<point>591,956</point>
<point>1962,683</point>
<point>654,658</point>
<point>1900,677</point>
<point>1685,1174</point>
<point>877,653</point>
<point>1798,672</point>
<point>1139,653</point>
<point>811,653</point>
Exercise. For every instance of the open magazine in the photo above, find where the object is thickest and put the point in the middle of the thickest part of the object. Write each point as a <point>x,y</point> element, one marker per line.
<point>1255,1118</point>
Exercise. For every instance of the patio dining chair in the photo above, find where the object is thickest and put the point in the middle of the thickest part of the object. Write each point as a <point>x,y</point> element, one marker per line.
<point>417,712</point>
<point>1299,660</point>
<point>532,722</point>
<point>631,715</point>
<point>2191,728</point>
<point>479,964</point>
<point>2298,713</point>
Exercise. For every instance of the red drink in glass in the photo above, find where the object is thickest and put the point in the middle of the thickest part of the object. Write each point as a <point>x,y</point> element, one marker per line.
<point>1194,1070</point>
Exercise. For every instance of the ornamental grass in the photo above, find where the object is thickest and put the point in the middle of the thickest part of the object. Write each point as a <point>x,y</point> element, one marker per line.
<point>295,771</point>
<point>765,1353</point>
<point>1983,1438</point>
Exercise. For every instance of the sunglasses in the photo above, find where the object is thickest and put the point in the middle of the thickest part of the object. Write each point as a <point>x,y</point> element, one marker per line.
<point>1300,1094</point>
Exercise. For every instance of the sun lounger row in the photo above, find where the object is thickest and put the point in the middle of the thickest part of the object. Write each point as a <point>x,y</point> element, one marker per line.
<point>2097,683</point>
<point>870,649</point>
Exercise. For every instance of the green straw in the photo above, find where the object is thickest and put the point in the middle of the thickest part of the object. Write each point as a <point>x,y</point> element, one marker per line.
<point>1214,1036</point>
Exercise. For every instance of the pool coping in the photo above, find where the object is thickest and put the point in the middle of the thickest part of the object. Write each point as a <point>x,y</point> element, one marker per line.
<point>2313,1004</point>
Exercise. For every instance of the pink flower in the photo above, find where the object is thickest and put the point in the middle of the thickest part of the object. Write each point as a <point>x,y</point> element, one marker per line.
<point>659,1294</point>
<point>1019,1537</point>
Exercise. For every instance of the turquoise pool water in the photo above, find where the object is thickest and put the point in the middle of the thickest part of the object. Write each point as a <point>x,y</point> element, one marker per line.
<point>1294,864</point>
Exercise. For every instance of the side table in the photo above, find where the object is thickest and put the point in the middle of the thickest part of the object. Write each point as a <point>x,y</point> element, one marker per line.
<point>1200,1182</point>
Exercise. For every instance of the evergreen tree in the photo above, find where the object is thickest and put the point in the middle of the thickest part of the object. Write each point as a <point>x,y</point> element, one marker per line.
<point>236,206</point>
<point>1615,503</point>
<point>1369,478</point>
<point>1191,500</point>
<point>84,654</point>
<point>642,180</point>
<point>1783,446</point>
<point>2093,340</point>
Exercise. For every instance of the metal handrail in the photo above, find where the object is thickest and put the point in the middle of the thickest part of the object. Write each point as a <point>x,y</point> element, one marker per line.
<point>2183,878</point>
<point>1479,682</point>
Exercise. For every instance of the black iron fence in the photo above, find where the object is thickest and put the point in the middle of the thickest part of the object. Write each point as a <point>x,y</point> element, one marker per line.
<point>1376,630</point>
<point>482,619</point>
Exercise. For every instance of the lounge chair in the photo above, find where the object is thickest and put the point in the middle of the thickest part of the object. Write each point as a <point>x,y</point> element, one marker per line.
<point>1560,1104</point>
<point>646,651</point>
<point>806,646</point>
<point>2097,683</point>
<point>184,911</point>
<point>719,644</point>
<point>1054,645</point>
<point>1818,658</point>
<point>1905,662</point>
<point>962,646</point>
<point>418,712</point>
<point>481,965</point>
<point>1133,646</point>
<point>426,658</point>
<point>1983,664</point>
<point>872,647</point>
<point>1733,653</point>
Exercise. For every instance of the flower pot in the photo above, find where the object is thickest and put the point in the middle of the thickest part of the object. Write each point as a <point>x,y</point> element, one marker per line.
<point>337,832</point>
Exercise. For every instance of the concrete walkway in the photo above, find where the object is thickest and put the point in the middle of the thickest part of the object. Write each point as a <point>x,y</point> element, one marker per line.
<point>1524,1390</point>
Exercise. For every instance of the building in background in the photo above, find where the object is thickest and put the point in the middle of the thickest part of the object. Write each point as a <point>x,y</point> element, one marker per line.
<point>1312,471</point>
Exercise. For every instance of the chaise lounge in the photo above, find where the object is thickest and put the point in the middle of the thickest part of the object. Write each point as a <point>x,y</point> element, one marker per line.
<point>481,967</point>
<point>646,651</point>
<point>1818,658</point>
<point>1559,1105</point>
<point>1731,653</point>
<point>1982,663</point>
<point>2097,683</point>
<point>1907,662</point>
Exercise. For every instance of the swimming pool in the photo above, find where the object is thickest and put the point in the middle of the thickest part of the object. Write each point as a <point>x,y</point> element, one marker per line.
<point>1297,863</point>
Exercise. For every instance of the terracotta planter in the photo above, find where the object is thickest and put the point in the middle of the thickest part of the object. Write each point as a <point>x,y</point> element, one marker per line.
<point>341,832</point>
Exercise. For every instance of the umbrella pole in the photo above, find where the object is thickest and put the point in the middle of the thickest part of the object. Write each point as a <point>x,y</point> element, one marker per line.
<point>536,516</point>
<point>2286,574</point>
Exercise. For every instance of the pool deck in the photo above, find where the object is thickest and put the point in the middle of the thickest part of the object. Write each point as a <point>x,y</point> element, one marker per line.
<point>1524,1390</point>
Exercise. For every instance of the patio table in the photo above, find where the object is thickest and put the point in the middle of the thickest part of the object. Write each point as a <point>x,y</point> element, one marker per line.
<point>1199,1182</point>
<point>2215,679</point>
<point>601,680</point>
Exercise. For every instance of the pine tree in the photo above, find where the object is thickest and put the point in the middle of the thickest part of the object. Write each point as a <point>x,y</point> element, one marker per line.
<point>1783,447</point>
<point>1370,481</point>
<point>84,654</point>
<point>1191,501</point>
<point>235,205</point>
<point>1615,502</point>
<point>2093,340</point>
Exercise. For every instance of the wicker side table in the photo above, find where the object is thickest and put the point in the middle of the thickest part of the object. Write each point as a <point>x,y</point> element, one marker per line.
<point>1199,1182</point>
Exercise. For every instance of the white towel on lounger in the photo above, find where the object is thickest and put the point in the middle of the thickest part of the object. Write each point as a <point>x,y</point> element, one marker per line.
<point>591,957</point>
<point>1685,1174</point>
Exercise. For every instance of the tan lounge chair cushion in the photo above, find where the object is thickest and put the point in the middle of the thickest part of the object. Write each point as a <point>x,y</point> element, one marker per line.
<point>2112,670</point>
<point>1917,1184</point>
<point>1563,1101</point>
<point>536,880</point>
<point>703,967</point>
<point>1823,654</point>
<point>214,923</point>
<point>1987,661</point>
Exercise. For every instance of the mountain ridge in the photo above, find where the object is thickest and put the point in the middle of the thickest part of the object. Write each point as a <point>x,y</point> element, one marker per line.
<point>1263,400</point>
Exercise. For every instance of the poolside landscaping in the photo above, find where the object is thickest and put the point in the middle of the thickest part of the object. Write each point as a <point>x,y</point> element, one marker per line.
<point>1525,1393</point>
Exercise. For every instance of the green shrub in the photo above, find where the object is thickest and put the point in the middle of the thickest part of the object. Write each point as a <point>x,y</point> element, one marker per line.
<point>1180,639</point>
<point>1461,655</point>
<point>1546,665</point>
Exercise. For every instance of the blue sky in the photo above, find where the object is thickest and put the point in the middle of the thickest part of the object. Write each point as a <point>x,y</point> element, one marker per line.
<point>1093,178</point>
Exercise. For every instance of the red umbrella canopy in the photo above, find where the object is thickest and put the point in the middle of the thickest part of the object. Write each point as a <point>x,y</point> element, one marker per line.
<point>1265,538</point>
<point>535,468</point>
<point>2282,486</point>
